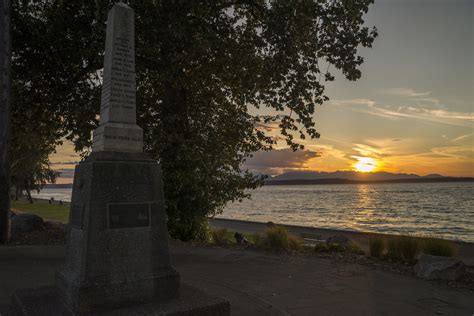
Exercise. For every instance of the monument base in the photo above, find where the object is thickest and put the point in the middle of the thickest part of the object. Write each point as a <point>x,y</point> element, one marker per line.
<point>117,250</point>
<point>46,301</point>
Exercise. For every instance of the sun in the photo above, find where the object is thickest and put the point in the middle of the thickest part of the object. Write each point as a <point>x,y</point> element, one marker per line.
<point>365,164</point>
<point>362,167</point>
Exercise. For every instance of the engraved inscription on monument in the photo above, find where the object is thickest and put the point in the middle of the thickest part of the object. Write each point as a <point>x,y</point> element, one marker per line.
<point>118,130</point>
<point>128,215</point>
<point>118,91</point>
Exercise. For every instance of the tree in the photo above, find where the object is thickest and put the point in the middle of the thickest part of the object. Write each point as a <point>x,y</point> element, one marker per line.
<point>5,109</point>
<point>53,85</point>
<point>205,70</point>
<point>30,166</point>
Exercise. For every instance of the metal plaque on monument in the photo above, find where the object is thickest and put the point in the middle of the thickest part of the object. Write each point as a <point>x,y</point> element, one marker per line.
<point>117,258</point>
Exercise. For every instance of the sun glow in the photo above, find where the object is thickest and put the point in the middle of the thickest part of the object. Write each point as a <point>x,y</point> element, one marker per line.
<point>365,164</point>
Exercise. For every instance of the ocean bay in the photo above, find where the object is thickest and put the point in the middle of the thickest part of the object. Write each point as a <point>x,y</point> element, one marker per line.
<point>440,209</point>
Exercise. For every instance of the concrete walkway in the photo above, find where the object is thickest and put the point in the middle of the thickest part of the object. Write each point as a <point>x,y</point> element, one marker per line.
<point>258,283</point>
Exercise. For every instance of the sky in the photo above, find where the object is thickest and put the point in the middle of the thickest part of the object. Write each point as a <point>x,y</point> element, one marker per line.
<point>411,112</point>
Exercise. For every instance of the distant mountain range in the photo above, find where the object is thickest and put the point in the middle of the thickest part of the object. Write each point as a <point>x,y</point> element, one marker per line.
<point>338,177</point>
<point>315,177</point>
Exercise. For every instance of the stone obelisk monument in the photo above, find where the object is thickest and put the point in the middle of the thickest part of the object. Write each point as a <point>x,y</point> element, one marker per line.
<point>117,255</point>
<point>117,249</point>
<point>118,130</point>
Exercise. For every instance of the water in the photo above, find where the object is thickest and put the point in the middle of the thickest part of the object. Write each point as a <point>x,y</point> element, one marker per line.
<point>441,209</point>
<point>58,194</point>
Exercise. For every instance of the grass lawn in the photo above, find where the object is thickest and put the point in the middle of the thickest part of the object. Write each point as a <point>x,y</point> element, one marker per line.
<point>43,209</point>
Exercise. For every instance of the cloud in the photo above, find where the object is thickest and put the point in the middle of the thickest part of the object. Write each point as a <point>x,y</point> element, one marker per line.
<point>268,127</point>
<point>464,119</point>
<point>65,163</point>
<point>429,101</point>
<point>423,99</point>
<point>405,92</point>
<point>462,137</point>
<point>277,161</point>
<point>366,102</point>
<point>463,152</point>
<point>66,173</point>
<point>366,150</point>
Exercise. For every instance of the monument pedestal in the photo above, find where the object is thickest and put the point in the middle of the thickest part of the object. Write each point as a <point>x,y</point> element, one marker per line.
<point>117,251</point>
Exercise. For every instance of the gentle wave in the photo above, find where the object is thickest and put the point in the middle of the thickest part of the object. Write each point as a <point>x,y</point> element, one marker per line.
<point>436,209</point>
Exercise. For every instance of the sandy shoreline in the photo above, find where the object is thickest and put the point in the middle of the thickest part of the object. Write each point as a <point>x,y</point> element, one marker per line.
<point>465,250</point>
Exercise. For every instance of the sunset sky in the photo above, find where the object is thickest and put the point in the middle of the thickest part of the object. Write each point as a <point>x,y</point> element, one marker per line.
<point>411,112</point>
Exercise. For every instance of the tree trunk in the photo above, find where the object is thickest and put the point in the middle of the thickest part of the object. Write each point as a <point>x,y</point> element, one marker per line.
<point>28,193</point>
<point>5,114</point>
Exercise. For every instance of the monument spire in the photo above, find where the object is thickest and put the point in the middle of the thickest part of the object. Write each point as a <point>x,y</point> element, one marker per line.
<point>118,130</point>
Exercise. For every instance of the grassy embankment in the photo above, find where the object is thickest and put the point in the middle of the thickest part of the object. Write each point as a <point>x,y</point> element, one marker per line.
<point>43,209</point>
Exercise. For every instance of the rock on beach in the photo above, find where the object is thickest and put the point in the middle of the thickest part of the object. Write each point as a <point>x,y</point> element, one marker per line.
<point>439,268</point>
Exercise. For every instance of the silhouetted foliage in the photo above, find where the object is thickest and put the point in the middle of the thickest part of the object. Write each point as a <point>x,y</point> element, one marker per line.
<point>220,236</point>
<point>278,238</point>
<point>376,245</point>
<point>204,71</point>
<point>403,247</point>
<point>30,167</point>
<point>438,247</point>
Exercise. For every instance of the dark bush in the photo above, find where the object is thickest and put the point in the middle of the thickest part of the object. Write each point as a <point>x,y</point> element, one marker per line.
<point>219,236</point>
<point>403,247</point>
<point>376,245</point>
<point>439,247</point>
<point>278,238</point>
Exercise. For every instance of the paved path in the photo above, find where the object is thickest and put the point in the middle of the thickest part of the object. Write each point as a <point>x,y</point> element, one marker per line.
<point>259,283</point>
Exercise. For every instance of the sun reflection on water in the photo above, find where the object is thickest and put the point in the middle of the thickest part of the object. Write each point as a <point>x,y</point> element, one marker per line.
<point>365,207</point>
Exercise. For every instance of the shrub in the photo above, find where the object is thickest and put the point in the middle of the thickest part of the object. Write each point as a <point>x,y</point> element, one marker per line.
<point>254,238</point>
<point>219,236</point>
<point>439,247</point>
<point>328,247</point>
<point>376,245</point>
<point>278,238</point>
<point>258,240</point>
<point>354,248</point>
<point>393,249</point>
<point>203,233</point>
<point>409,247</point>
<point>321,247</point>
<point>295,243</point>
<point>403,247</point>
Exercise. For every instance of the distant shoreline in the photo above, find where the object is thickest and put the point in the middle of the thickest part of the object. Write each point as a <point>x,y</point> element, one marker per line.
<point>348,181</point>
